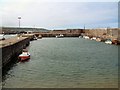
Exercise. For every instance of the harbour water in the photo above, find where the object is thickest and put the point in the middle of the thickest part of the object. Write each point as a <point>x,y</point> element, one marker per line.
<point>66,63</point>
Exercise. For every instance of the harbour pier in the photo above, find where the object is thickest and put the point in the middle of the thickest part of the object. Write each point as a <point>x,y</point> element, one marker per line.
<point>101,34</point>
<point>11,48</point>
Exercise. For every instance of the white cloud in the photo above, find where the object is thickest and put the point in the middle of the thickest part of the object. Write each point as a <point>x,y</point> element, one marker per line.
<point>57,14</point>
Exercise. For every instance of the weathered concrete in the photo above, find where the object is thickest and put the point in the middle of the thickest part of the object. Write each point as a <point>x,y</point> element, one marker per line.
<point>30,36</point>
<point>11,48</point>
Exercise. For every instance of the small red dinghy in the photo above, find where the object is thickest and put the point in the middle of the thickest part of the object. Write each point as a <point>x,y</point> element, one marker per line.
<point>25,55</point>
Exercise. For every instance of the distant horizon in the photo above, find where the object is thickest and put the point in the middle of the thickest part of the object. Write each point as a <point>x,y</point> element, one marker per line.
<point>57,28</point>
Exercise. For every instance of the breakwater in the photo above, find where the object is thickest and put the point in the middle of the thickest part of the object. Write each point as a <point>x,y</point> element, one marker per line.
<point>12,47</point>
<point>66,33</point>
<point>14,30</point>
<point>112,33</point>
<point>102,34</point>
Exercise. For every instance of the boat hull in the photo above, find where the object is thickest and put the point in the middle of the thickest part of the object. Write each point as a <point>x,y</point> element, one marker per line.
<point>24,58</point>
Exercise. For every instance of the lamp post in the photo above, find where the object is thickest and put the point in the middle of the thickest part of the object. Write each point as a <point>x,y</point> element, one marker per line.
<point>84,26</point>
<point>19,20</point>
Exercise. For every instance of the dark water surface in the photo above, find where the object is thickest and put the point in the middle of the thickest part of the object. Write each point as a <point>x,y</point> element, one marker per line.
<point>66,63</point>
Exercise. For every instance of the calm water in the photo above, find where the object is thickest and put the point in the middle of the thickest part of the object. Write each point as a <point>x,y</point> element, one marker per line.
<point>66,63</point>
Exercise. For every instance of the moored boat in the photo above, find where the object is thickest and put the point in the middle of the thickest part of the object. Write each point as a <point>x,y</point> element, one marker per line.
<point>24,56</point>
<point>86,37</point>
<point>93,38</point>
<point>98,39</point>
<point>115,41</point>
<point>80,36</point>
<point>108,41</point>
<point>59,36</point>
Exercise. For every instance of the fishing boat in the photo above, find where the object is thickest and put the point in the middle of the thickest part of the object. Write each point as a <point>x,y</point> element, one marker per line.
<point>59,36</point>
<point>93,38</point>
<point>98,39</point>
<point>115,41</point>
<point>85,37</point>
<point>108,41</point>
<point>25,55</point>
<point>80,36</point>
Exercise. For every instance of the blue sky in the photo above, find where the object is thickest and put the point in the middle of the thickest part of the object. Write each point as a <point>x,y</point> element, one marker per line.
<point>60,15</point>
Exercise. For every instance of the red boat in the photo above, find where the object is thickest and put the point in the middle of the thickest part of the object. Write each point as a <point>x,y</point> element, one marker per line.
<point>25,55</point>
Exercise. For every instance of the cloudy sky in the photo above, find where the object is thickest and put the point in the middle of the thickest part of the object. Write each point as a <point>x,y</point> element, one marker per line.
<point>60,14</point>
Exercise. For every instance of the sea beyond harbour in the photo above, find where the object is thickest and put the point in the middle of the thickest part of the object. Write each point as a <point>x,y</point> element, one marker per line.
<point>66,63</point>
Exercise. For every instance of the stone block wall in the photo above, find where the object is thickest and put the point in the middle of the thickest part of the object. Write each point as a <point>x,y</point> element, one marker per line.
<point>11,51</point>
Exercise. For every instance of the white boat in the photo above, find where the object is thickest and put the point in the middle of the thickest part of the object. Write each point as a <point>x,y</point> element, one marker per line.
<point>93,38</point>
<point>85,37</point>
<point>25,55</point>
<point>108,41</point>
<point>59,36</point>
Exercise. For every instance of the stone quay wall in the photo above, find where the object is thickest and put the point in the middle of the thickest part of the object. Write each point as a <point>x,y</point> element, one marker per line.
<point>11,51</point>
<point>107,33</point>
